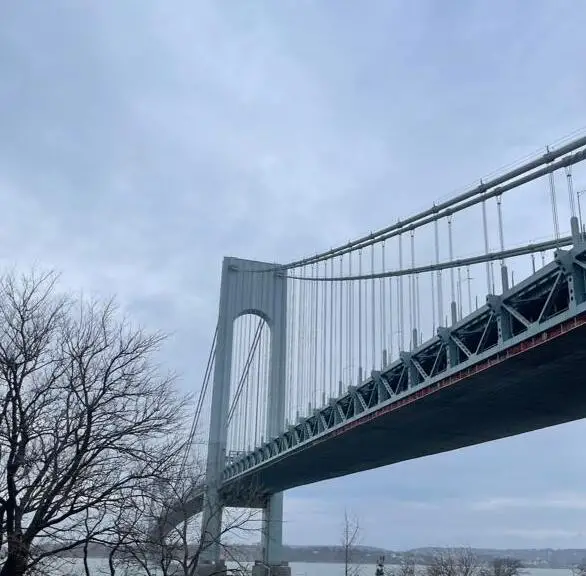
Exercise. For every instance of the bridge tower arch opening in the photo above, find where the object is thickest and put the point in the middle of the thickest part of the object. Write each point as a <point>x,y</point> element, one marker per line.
<point>252,294</point>
<point>249,384</point>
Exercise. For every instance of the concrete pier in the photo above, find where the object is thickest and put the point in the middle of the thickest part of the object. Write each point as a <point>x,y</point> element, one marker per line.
<point>211,568</point>
<point>260,569</point>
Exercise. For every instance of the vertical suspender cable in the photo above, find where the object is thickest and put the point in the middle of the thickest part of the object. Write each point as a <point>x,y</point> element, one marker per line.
<point>291,318</point>
<point>259,376</point>
<point>242,346</point>
<point>235,366</point>
<point>574,224</point>
<point>318,290</point>
<point>373,344</point>
<point>288,306</point>
<point>234,360</point>
<point>263,392</point>
<point>307,364</point>
<point>383,307</point>
<point>440,297</point>
<point>301,329</point>
<point>400,296</point>
<point>272,422</point>
<point>504,273</point>
<point>452,282</point>
<point>390,355</point>
<point>489,282</point>
<point>351,335</point>
<point>469,280</point>
<point>459,285</point>
<point>360,318</point>
<point>324,371</point>
<point>314,387</point>
<point>306,345</point>
<point>331,361</point>
<point>262,381</point>
<point>245,344</point>
<point>246,393</point>
<point>411,300</point>
<point>413,296</point>
<point>270,415</point>
<point>554,206</point>
<point>266,381</point>
<point>340,330</point>
<point>432,276</point>
<point>247,420</point>
<point>571,191</point>
<point>417,310</point>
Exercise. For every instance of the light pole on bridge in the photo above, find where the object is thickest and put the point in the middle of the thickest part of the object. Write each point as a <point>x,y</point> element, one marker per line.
<point>468,280</point>
<point>578,194</point>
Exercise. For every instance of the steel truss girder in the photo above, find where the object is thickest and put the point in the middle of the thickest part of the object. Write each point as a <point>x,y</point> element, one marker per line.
<point>548,297</point>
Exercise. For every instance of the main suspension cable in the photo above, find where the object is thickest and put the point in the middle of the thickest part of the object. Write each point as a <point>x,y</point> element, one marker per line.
<point>490,257</point>
<point>200,402</point>
<point>485,190</point>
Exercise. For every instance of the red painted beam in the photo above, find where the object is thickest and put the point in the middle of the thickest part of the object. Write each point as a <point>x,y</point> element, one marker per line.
<point>497,358</point>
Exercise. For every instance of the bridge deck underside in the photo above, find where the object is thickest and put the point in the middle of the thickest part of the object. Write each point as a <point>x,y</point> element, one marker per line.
<point>541,387</point>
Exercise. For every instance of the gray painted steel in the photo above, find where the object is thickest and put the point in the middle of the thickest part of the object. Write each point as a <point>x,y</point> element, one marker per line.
<point>247,287</point>
<point>514,365</point>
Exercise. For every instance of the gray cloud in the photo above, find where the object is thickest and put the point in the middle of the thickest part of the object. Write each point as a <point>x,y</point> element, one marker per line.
<point>142,141</point>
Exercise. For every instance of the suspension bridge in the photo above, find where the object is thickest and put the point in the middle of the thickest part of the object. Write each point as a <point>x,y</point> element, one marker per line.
<point>429,335</point>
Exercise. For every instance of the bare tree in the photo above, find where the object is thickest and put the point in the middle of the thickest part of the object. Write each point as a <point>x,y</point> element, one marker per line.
<point>176,545</point>
<point>454,563</point>
<point>86,417</point>
<point>580,569</point>
<point>350,539</point>
<point>503,567</point>
<point>407,567</point>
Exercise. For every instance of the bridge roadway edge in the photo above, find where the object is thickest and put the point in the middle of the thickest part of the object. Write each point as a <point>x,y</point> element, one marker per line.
<point>528,384</point>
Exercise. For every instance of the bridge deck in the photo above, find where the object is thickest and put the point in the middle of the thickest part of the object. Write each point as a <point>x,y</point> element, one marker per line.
<point>534,385</point>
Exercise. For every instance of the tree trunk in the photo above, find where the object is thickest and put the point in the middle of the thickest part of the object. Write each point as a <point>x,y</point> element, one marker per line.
<point>86,565</point>
<point>16,559</point>
<point>111,560</point>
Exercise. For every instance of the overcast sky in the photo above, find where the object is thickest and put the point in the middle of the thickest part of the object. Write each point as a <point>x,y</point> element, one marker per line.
<point>140,142</point>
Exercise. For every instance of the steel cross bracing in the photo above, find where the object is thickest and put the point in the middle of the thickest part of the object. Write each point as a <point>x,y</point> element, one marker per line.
<point>547,299</point>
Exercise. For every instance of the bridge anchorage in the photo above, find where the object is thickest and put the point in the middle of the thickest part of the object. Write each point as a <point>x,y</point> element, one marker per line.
<point>327,365</point>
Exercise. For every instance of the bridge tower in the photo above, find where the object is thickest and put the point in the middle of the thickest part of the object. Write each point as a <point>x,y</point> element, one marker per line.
<point>247,287</point>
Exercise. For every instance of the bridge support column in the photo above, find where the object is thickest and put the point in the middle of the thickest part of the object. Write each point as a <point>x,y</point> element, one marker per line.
<point>247,287</point>
<point>210,569</point>
<point>262,569</point>
<point>272,530</point>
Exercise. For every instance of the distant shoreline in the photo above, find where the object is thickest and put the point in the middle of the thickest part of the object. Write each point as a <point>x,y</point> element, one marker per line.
<point>531,558</point>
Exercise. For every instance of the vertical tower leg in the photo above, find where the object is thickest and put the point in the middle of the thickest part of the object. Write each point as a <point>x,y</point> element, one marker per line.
<point>272,530</point>
<point>272,520</point>
<point>253,288</point>
<point>212,509</point>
